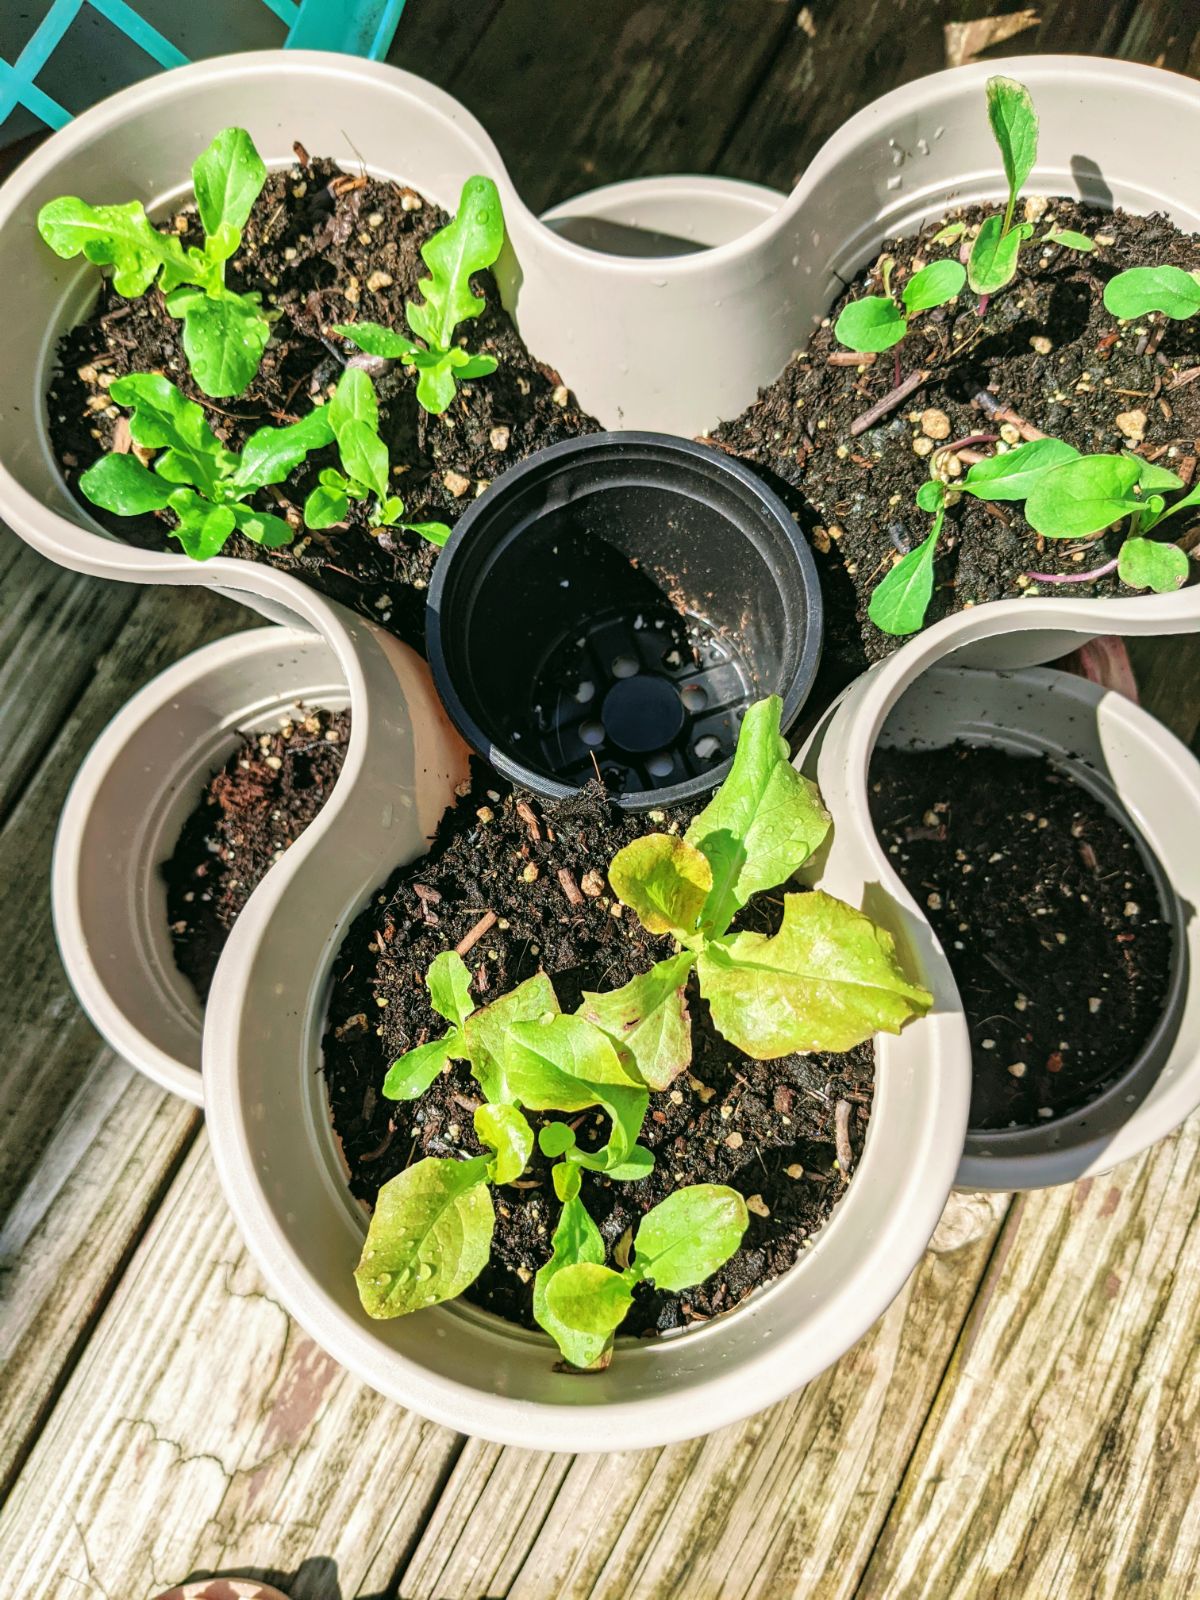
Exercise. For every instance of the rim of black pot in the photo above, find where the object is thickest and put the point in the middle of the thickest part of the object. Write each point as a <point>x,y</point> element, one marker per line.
<point>778,544</point>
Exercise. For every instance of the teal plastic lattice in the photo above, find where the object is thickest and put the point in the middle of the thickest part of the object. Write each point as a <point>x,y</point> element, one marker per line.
<point>59,57</point>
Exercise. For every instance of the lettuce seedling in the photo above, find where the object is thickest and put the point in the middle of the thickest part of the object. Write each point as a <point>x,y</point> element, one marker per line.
<point>679,1243</point>
<point>354,419</point>
<point>827,980</point>
<point>878,322</point>
<point>901,599</point>
<point>224,333</point>
<point>471,242</point>
<point>194,475</point>
<point>992,262</point>
<point>1143,290</point>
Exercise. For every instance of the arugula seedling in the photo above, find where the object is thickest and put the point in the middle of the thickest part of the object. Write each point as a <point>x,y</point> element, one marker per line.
<point>224,333</point>
<point>471,242</point>
<point>1143,290</point>
<point>354,419</point>
<point>679,1243</point>
<point>878,322</point>
<point>995,252</point>
<point>194,475</point>
<point>827,980</point>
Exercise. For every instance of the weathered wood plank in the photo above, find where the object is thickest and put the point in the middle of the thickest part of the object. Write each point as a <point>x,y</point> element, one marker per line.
<point>576,96</point>
<point>793,1497</point>
<point>69,1234</point>
<point>203,1432</point>
<point>1060,1459</point>
<point>53,624</point>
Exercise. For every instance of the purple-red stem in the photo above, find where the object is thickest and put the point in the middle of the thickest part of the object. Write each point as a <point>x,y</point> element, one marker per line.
<point>971,438</point>
<point>981,308</point>
<point>896,368</point>
<point>1073,577</point>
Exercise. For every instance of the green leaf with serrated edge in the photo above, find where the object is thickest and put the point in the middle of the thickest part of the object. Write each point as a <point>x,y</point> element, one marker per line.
<point>1012,476</point>
<point>871,324</point>
<point>430,1236</point>
<point>1015,127</point>
<point>436,532</point>
<point>648,1018</point>
<point>487,1031</point>
<point>121,237</point>
<point>364,456</point>
<point>228,179</point>
<point>900,600</point>
<point>121,484</point>
<point>326,506</point>
<point>224,337</point>
<point>1141,290</point>
<point>664,880</point>
<point>638,1164</point>
<point>1083,497</point>
<point>933,285</point>
<point>203,528</point>
<point>504,1130</point>
<point>828,980</point>
<point>373,339</point>
<point>472,241</point>
<point>411,1074</point>
<point>763,822</point>
<point>687,1236</point>
<point>555,1139</point>
<point>587,1303</point>
<point>1069,239</point>
<point>272,454</point>
<point>353,401</point>
<point>1149,564</point>
<point>563,1063</point>
<point>164,420</point>
<point>994,255</point>
<point>576,1241</point>
<point>449,983</point>
<point>948,234</point>
<point>931,496</point>
<point>262,527</point>
<point>1153,478</point>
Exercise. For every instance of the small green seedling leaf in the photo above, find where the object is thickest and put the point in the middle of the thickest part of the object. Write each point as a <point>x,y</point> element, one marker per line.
<point>638,1164</point>
<point>121,484</point>
<point>586,1304</point>
<point>900,600</point>
<point>1153,479</point>
<point>1013,475</point>
<point>1083,497</point>
<point>365,458</point>
<point>948,234</point>
<point>555,1139</point>
<point>762,824</point>
<point>373,339</point>
<point>273,454</point>
<point>664,880</point>
<point>121,237</point>
<point>449,983</point>
<point>471,242</point>
<point>163,419</point>
<point>326,506</point>
<point>874,323</point>
<point>648,1018</point>
<point>487,1032</point>
<point>1068,239</point>
<point>576,1242</point>
<point>223,339</point>
<point>353,401</point>
<point>689,1235</point>
<point>1015,127</point>
<point>564,1063</point>
<point>202,529</point>
<point>933,285</point>
<point>994,255</point>
<point>228,178</point>
<point>1142,290</point>
<point>828,980</point>
<point>411,1074</point>
<point>429,1237</point>
<point>505,1131</point>
<point>1149,564</point>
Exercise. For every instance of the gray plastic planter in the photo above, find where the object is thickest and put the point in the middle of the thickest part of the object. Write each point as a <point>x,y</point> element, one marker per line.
<point>1142,772</point>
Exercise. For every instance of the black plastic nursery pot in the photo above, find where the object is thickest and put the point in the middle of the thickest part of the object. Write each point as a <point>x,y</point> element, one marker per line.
<point>613,604</point>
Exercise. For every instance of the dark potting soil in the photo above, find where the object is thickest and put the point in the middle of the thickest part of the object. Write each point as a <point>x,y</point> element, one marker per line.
<point>767,1128</point>
<point>1046,349</point>
<point>258,804</point>
<point>325,247</point>
<point>1048,914</point>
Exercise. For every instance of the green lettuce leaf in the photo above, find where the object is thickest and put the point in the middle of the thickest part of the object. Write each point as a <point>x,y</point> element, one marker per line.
<point>648,1018</point>
<point>687,1236</point>
<point>576,1241</point>
<point>665,880</point>
<point>430,1236</point>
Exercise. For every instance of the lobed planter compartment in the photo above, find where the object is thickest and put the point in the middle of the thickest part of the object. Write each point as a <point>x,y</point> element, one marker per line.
<point>1141,773</point>
<point>145,773</point>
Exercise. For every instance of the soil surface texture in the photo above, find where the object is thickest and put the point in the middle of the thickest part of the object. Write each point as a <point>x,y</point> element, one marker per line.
<point>767,1128</point>
<point>324,246</point>
<point>1048,915</point>
<point>1046,351</point>
<point>258,804</point>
